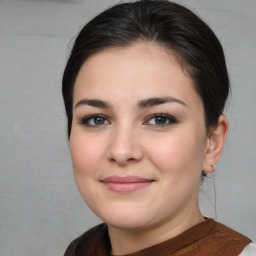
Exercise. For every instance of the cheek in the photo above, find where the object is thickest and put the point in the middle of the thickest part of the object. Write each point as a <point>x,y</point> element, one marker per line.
<point>86,153</point>
<point>168,154</point>
<point>177,153</point>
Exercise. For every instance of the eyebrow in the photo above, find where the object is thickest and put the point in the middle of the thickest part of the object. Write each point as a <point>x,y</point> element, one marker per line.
<point>146,103</point>
<point>93,102</point>
<point>150,102</point>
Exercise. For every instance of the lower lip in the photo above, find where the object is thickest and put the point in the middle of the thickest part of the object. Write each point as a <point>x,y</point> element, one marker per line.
<point>126,187</point>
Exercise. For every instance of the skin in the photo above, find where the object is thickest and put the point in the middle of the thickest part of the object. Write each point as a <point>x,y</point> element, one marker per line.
<point>128,140</point>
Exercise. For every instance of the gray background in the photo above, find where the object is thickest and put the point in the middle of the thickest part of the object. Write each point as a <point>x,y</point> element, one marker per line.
<point>40,208</point>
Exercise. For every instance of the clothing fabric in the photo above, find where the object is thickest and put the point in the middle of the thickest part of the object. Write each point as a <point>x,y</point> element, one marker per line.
<point>206,238</point>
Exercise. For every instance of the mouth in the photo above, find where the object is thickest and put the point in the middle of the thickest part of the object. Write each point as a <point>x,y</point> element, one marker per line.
<point>126,184</point>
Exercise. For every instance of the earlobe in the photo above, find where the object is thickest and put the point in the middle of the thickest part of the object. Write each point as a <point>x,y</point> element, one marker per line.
<point>215,144</point>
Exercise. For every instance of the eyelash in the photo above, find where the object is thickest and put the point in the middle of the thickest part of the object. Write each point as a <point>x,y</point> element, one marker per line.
<point>85,121</point>
<point>170,119</point>
<point>167,118</point>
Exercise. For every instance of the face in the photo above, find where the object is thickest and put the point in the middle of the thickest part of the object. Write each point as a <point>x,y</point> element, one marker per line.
<point>138,139</point>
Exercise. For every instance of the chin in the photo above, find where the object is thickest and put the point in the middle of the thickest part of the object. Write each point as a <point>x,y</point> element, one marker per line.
<point>125,219</point>
<point>127,224</point>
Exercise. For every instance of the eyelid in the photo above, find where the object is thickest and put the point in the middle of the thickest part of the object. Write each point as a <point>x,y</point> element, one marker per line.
<point>171,119</point>
<point>84,120</point>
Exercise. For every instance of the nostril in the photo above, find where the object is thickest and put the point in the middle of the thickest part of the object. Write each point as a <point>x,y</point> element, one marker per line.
<point>123,159</point>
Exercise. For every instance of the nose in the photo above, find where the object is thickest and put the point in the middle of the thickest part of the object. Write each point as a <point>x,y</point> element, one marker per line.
<point>124,147</point>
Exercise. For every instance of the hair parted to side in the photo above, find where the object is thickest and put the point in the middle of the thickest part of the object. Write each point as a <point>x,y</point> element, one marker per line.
<point>165,23</point>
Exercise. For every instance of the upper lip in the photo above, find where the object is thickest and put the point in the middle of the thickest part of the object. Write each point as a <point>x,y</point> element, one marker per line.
<point>125,179</point>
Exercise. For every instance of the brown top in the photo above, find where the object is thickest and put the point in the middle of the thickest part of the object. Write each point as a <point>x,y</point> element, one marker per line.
<point>206,238</point>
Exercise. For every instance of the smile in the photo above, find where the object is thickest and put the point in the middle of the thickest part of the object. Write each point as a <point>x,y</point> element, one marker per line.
<point>126,184</point>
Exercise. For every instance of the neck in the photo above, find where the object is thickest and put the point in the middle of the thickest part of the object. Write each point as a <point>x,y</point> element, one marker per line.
<point>129,241</point>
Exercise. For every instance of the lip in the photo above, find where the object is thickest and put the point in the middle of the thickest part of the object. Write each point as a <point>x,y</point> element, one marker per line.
<point>126,184</point>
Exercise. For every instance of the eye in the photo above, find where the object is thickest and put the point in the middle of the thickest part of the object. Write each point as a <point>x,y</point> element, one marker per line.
<point>95,120</point>
<point>161,120</point>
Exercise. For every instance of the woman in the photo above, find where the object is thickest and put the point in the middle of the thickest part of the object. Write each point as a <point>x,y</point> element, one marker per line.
<point>144,89</point>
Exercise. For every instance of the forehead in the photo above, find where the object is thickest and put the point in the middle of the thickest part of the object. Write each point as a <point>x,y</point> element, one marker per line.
<point>136,71</point>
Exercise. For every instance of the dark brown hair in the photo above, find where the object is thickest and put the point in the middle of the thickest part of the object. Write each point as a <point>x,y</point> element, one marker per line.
<point>168,24</point>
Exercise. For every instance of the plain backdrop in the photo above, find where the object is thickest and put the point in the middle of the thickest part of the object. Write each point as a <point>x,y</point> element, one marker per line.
<point>40,208</point>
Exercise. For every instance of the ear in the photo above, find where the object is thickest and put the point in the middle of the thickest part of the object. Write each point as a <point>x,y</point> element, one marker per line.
<point>215,144</point>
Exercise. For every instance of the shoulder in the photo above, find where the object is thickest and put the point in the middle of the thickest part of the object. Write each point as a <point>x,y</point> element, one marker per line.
<point>221,240</point>
<point>228,234</point>
<point>228,240</point>
<point>89,238</point>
